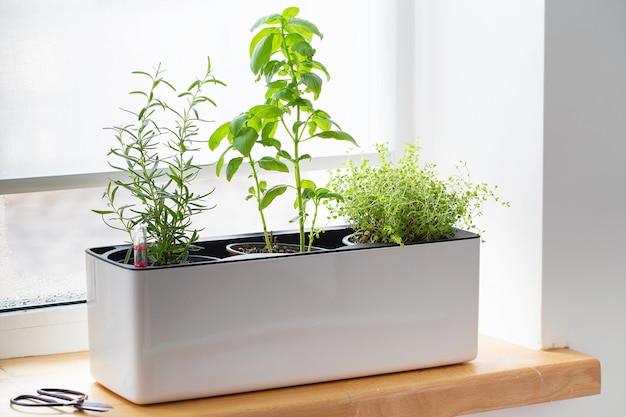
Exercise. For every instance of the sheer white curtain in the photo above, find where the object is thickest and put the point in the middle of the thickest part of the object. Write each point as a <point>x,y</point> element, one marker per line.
<point>65,69</point>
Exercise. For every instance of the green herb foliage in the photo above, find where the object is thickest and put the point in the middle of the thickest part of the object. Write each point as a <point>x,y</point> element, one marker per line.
<point>402,202</point>
<point>155,156</point>
<point>282,56</point>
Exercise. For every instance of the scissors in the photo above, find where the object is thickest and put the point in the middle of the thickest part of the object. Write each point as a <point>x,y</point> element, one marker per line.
<point>59,397</point>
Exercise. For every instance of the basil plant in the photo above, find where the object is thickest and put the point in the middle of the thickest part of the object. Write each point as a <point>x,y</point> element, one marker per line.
<point>269,136</point>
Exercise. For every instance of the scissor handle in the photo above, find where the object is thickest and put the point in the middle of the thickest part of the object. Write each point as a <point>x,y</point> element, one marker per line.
<point>62,394</point>
<point>35,401</point>
<point>68,398</point>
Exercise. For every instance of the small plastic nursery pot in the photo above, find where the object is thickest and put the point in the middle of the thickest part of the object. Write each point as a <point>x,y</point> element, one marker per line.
<point>259,248</point>
<point>120,254</point>
<point>349,240</point>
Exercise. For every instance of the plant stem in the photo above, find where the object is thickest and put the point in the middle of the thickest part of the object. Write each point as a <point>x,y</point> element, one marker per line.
<point>312,232</point>
<point>257,187</point>
<point>299,199</point>
<point>296,140</point>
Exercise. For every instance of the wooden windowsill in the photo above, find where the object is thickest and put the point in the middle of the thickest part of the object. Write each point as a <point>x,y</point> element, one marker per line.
<point>503,376</point>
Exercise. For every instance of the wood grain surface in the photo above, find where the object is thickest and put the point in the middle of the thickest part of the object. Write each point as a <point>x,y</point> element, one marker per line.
<point>502,376</point>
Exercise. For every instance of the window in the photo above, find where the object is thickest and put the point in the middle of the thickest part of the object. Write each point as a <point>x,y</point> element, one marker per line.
<point>66,65</point>
<point>65,71</point>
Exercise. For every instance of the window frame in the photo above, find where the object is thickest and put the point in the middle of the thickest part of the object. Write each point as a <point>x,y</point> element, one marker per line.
<point>43,331</point>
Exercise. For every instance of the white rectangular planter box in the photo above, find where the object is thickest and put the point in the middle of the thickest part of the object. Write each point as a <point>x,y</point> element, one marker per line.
<point>244,324</point>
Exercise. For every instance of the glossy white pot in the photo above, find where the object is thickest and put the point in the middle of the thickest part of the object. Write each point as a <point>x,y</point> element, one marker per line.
<point>245,323</point>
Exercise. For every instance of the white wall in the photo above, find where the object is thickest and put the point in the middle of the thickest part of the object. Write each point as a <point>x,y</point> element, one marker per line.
<point>584,279</point>
<point>480,100</point>
<point>559,156</point>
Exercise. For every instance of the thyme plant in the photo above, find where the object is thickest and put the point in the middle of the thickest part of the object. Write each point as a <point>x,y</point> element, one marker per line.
<point>269,136</point>
<point>402,202</point>
<point>155,157</point>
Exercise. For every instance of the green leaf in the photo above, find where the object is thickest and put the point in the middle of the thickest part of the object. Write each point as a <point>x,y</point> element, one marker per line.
<point>237,123</point>
<point>304,48</point>
<point>277,85</point>
<point>285,154</point>
<point>271,19</point>
<point>325,193</point>
<point>266,111</point>
<point>139,92</point>
<point>270,70</point>
<point>286,94</point>
<point>304,157</point>
<point>219,134</point>
<point>103,212</point>
<point>255,123</point>
<point>304,27</point>
<point>233,166</point>
<point>308,184</point>
<point>167,83</point>
<point>269,163</point>
<point>290,12</point>
<point>142,73</point>
<point>112,191</point>
<point>296,127</point>
<point>323,123</point>
<point>219,164</point>
<point>263,33</point>
<point>313,83</point>
<point>270,142</point>
<point>321,114</point>
<point>302,103</point>
<point>193,85</point>
<point>245,140</point>
<point>268,131</point>
<point>307,194</point>
<point>318,66</point>
<point>293,38</point>
<point>261,54</point>
<point>270,195</point>
<point>202,99</point>
<point>208,66</point>
<point>336,134</point>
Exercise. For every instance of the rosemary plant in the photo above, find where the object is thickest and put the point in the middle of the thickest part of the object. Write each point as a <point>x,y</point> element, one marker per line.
<point>155,156</point>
